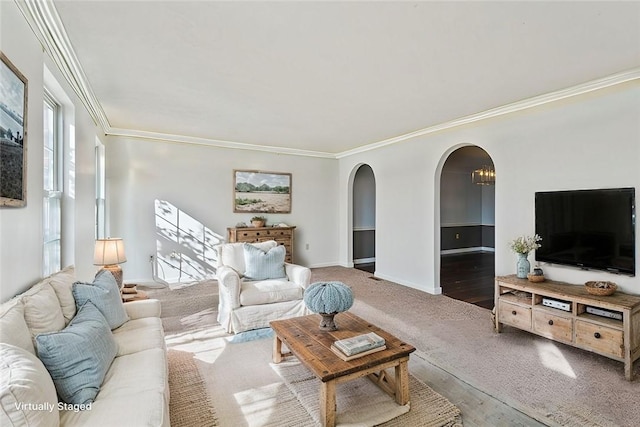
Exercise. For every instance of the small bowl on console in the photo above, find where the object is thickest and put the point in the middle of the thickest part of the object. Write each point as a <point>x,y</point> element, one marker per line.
<point>535,278</point>
<point>601,288</point>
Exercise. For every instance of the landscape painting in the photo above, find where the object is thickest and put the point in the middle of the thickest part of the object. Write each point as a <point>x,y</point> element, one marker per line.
<point>263,192</point>
<point>13,129</point>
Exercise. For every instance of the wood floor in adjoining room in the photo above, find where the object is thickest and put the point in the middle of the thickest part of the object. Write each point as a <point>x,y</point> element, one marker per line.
<point>469,277</point>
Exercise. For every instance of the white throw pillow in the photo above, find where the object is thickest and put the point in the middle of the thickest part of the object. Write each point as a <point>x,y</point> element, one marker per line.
<point>232,254</point>
<point>61,283</point>
<point>13,328</point>
<point>264,265</point>
<point>42,310</point>
<point>27,394</point>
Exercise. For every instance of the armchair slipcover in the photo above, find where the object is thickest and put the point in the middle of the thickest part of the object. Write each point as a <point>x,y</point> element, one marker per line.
<point>251,304</point>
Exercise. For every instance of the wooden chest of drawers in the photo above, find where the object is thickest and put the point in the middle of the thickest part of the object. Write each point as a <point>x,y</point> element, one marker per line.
<point>282,235</point>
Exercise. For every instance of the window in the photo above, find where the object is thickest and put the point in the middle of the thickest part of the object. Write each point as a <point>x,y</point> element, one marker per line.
<point>100,191</point>
<point>52,187</point>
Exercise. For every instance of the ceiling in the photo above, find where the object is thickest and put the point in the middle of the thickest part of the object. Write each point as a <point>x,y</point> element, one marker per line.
<point>331,77</point>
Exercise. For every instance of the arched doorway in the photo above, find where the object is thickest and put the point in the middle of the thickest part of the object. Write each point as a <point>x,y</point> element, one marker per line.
<point>364,219</point>
<point>467,226</point>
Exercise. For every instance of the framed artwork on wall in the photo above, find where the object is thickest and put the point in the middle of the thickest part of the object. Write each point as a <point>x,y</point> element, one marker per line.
<point>258,191</point>
<point>13,135</point>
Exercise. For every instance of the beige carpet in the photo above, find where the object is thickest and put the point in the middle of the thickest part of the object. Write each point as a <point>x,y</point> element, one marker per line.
<point>236,385</point>
<point>556,384</point>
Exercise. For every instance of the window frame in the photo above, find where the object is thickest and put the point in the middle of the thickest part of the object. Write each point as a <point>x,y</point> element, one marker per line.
<point>53,196</point>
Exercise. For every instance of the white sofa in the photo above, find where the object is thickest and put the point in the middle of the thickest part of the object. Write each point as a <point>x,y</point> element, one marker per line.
<point>246,304</point>
<point>135,388</point>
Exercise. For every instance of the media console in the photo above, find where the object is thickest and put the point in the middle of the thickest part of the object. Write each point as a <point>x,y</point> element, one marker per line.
<point>607,325</point>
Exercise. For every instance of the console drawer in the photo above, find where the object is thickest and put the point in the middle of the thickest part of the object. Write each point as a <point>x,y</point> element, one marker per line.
<point>599,338</point>
<point>515,315</point>
<point>553,326</point>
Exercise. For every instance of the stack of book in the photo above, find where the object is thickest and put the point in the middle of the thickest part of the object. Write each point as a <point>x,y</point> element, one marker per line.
<point>129,292</point>
<point>358,346</point>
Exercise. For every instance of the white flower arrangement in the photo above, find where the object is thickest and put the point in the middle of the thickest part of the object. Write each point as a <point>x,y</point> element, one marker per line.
<point>525,244</point>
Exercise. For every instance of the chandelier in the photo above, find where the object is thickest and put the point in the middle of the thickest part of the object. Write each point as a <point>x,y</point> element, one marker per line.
<point>484,176</point>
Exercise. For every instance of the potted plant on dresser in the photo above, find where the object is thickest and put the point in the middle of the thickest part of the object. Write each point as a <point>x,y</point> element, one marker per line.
<point>258,221</point>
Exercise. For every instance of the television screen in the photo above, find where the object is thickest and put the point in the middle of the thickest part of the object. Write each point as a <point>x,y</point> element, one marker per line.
<point>590,229</point>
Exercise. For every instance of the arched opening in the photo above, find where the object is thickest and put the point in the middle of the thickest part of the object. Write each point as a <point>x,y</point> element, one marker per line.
<point>364,219</point>
<point>467,226</point>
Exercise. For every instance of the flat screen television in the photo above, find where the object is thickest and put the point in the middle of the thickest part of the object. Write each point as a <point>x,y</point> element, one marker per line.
<point>589,229</point>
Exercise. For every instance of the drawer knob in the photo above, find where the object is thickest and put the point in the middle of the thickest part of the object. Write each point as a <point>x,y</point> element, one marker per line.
<point>597,335</point>
<point>514,312</point>
<point>551,322</point>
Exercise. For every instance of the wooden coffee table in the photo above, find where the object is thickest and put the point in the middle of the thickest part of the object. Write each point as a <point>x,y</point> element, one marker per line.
<point>311,346</point>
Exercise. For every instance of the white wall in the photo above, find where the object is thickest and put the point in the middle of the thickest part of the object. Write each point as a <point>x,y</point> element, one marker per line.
<point>591,141</point>
<point>199,180</point>
<point>21,228</point>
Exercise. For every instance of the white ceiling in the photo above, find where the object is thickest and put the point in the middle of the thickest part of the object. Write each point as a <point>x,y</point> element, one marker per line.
<point>330,77</point>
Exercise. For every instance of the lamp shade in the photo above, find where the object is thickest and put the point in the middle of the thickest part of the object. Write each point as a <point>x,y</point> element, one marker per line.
<point>109,252</point>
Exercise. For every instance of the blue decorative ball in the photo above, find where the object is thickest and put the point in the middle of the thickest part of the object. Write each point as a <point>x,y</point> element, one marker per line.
<point>328,297</point>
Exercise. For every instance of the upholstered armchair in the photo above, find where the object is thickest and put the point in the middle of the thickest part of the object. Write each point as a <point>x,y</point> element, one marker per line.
<point>256,286</point>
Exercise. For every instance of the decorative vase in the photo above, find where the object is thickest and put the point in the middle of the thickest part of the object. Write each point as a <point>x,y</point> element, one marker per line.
<point>328,299</point>
<point>327,323</point>
<point>523,266</point>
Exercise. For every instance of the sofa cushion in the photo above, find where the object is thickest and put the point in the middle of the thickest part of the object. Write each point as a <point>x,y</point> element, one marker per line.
<point>232,254</point>
<point>42,310</point>
<point>13,328</point>
<point>149,409</point>
<point>264,265</point>
<point>61,283</point>
<point>105,295</point>
<point>139,335</point>
<point>134,374</point>
<point>269,291</point>
<point>27,394</point>
<point>79,356</point>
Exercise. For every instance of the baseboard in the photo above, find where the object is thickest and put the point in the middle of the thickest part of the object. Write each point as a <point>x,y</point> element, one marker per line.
<point>364,260</point>
<point>432,291</point>
<point>466,250</point>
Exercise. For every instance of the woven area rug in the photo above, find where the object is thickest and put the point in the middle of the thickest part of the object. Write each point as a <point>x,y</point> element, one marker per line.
<point>189,403</point>
<point>360,403</point>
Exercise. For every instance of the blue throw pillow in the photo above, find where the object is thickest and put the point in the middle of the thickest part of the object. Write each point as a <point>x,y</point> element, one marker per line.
<point>105,294</point>
<point>78,356</point>
<point>260,265</point>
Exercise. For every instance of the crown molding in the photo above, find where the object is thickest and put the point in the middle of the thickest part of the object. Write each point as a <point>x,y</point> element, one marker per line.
<point>46,24</point>
<point>183,139</point>
<point>524,104</point>
<point>42,16</point>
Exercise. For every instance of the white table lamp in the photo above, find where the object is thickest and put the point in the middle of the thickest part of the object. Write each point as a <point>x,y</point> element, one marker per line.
<point>109,253</point>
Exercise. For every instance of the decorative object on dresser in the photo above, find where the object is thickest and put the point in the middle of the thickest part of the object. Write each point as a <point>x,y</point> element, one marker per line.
<point>522,246</point>
<point>258,221</point>
<point>282,235</point>
<point>606,325</point>
<point>263,192</point>
<point>328,299</point>
<point>109,253</point>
